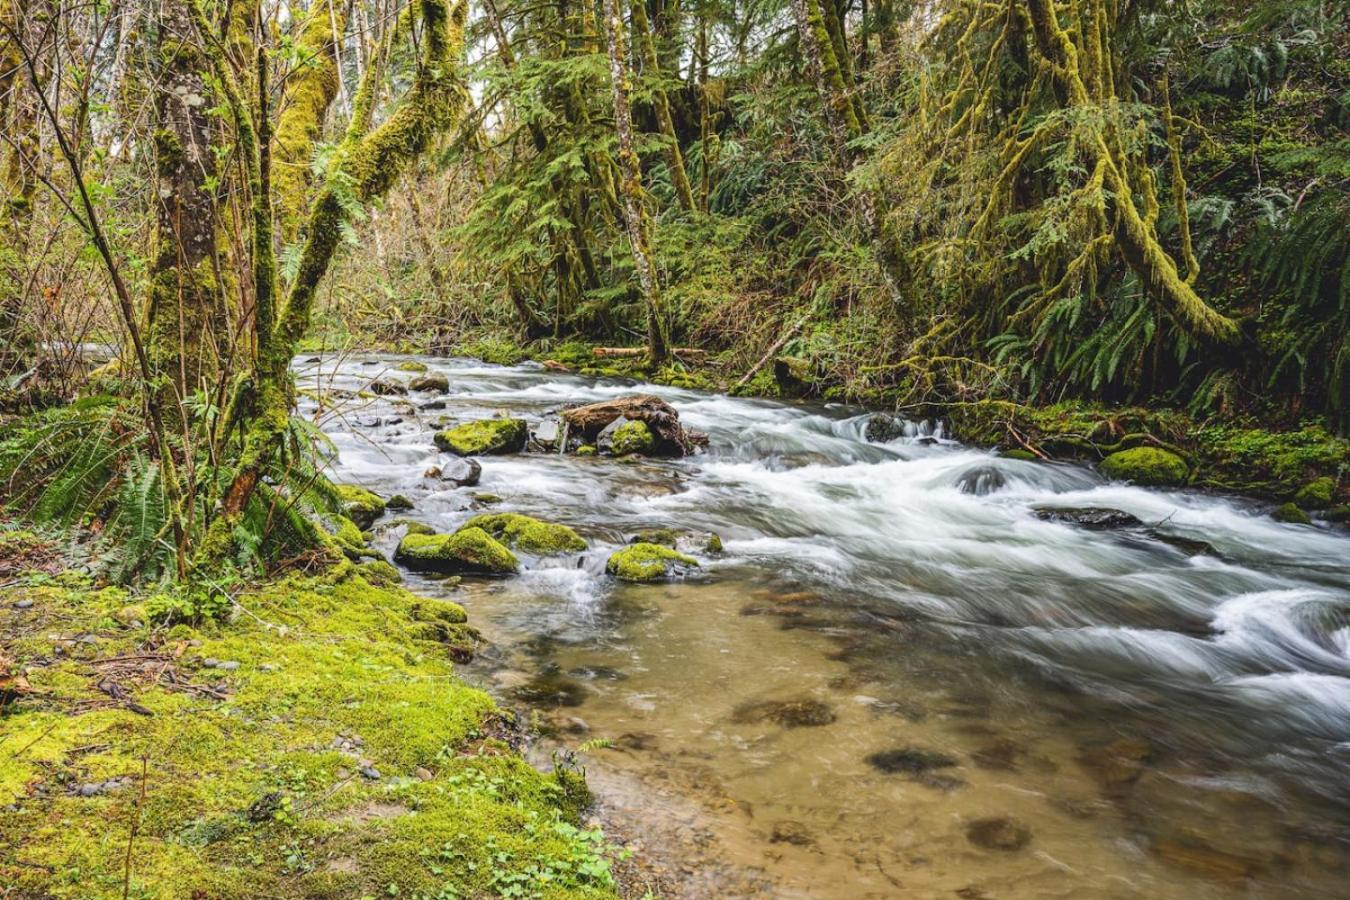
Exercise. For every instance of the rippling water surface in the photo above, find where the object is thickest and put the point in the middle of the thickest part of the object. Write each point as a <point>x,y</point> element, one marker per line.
<point>1000,706</point>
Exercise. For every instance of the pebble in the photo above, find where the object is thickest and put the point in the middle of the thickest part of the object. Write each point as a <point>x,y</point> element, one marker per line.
<point>23,604</point>
<point>210,663</point>
<point>229,665</point>
<point>370,772</point>
<point>268,667</point>
<point>423,773</point>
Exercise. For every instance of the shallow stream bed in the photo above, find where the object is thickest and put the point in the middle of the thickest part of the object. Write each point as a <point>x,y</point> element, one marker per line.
<point>898,679</point>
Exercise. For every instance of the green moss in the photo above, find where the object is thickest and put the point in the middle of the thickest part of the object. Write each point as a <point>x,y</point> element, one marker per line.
<point>1291,514</point>
<point>1316,494</point>
<point>633,437</point>
<point>666,537</point>
<point>528,534</point>
<point>713,544</point>
<point>411,366</point>
<point>586,450</point>
<point>1273,463</point>
<point>1148,466</point>
<point>256,792</point>
<point>486,498</point>
<point>484,436</point>
<point>1019,453</point>
<point>469,550</point>
<point>398,501</point>
<point>361,506</point>
<point>647,562</point>
<point>432,609</point>
<point>379,572</point>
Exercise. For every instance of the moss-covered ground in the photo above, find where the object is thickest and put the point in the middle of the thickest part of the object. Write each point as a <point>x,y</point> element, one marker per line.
<point>314,743</point>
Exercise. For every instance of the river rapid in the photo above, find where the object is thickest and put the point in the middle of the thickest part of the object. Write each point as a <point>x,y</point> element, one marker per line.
<point>897,679</point>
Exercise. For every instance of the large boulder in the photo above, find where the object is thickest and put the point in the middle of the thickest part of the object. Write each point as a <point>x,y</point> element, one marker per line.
<point>484,436</point>
<point>528,534</point>
<point>460,471</point>
<point>467,551</point>
<point>438,383</point>
<point>670,438</point>
<point>1148,466</point>
<point>360,505</point>
<point>648,562</point>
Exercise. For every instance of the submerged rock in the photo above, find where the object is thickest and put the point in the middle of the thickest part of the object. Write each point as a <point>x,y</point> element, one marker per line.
<point>437,383</point>
<point>684,541</point>
<point>882,428</point>
<point>551,690</point>
<point>469,550</point>
<point>1148,466</point>
<point>460,471</point>
<point>790,832</point>
<point>910,760</point>
<point>1093,518</point>
<point>981,480</point>
<point>648,562</point>
<point>999,833</point>
<point>386,388</point>
<point>360,505</point>
<point>528,534</point>
<point>787,713</point>
<point>484,436</point>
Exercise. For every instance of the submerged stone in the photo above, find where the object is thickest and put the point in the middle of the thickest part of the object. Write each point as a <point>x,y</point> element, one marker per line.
<point>360,505</point>
<point>882,428</point>
<point>1147,466</point>
<point>981,480</point>
<point>437,383</point>
<point>484,436</point>
<point>648,562</point>
<point>787,713</point>
<point>469,550</point>
<point>910,760</point>
<point>551,690</point>
<point>528,534</point>
<point>999,833</point>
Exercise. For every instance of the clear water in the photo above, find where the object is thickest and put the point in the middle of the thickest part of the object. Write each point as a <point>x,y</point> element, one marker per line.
<point>1137,721</point>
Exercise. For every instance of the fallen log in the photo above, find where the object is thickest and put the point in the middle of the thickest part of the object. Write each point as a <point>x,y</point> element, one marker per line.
<point>672,438</point>
<point>690,353</point>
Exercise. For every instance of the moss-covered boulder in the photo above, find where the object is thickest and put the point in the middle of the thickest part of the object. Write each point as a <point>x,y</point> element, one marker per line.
<point>433,609</point>
<point>484,436</point>
<point>1148,466</point>
<point>528,534</point>
<point>632,437</point>
<point>411,365</point>
<point>1290,514</point>
<point>360,505</point>
<point>379,573</point>
<point>648,562</point>
<point>1019,454</point>
<point>684,541</point>
<point>437,383</point>
<point>1316,494</point>
<point>469,550</point>
<point>398,501</point>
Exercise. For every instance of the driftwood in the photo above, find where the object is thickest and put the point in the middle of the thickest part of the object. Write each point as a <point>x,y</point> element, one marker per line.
<point>691,353</point>
<point>672,438</point>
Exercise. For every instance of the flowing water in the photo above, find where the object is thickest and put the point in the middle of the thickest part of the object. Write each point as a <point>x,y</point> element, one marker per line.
<point>981,703</point>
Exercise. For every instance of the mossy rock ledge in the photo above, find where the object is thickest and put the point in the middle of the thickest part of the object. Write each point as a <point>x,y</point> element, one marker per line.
<point>1147,466</point>
<point>485,436</point>
<point>528,534</point>
<point>467,551</point>
<point>360,505</point>
<point>648,562</point>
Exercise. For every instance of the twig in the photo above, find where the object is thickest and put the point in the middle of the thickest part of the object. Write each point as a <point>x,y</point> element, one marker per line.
<point>135,825</point>
<point>777,345</point>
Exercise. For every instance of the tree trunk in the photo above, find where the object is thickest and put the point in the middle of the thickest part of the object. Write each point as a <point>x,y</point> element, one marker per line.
<point>183,339</point>
<point>630,185</point>
<point>19,119</point>
<point>679,178</point>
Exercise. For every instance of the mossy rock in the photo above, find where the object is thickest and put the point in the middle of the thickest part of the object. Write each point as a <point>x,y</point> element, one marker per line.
<point>350,540</point>
<point>587,450</point>
<point>438,383</point>
<point>648,562</point>
<point>360,505</point>
<point>1148,466</point>
<point>434,609</point>
<point>484,436</point>
<point>1290,514</point>
<point>380,573</point>
<point>527,533</point>
<point>1019,453</point>
<point>398,501</point>
<point>684,541</point>
<point>411,365</point>
<point>1316,494</point>
<point>485,498</point>
<point>469,550</point>
<point>632,437</point>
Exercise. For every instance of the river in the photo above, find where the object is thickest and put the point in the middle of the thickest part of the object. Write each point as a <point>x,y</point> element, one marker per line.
<point>897,679</point>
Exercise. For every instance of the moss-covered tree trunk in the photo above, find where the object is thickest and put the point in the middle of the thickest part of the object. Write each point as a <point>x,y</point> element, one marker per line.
<point>18,161</point>
<point>841,115</point>
<point>679,178</point>
<point>632,195</point>
<point>185,334</point>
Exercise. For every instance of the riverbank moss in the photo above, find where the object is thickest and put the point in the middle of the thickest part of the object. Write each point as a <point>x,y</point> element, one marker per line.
<point>310,746</point>
<point>484,436</point>
<point>1147,466</point>
<point>361,506</point>
<point>527,533</point>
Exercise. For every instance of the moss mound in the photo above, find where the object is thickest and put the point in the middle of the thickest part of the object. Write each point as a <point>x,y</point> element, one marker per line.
<point>411,366</point>
<point>360,505</point>
<point>485,436</point>
<point>469,550</point>
<point>1316,494</point>
<point>632,437</point>
<point>1147,466</point>
<point>527,533</point>
<point>1290,514</point>
<point>337,757</point>
<point>648,562</point>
